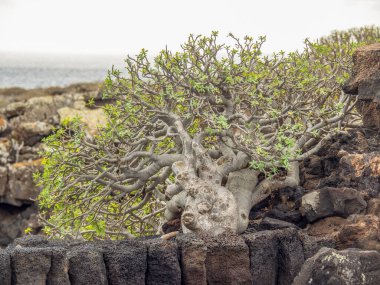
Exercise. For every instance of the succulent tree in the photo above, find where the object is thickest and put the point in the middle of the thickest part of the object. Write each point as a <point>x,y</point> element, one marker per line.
<point>203,134</point>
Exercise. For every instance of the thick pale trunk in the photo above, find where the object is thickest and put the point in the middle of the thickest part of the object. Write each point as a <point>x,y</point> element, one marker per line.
<point>209,208</point>
<point>206,207</point>
<point>242,184</point>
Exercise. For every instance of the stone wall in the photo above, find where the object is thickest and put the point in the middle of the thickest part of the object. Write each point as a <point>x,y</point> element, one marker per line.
<point>266,257</point>
<point>277,257</point>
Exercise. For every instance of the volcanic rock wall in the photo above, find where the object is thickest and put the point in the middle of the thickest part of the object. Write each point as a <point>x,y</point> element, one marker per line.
<point>264,258</point>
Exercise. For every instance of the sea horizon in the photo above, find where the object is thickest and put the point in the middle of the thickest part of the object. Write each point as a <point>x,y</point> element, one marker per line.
<point>37,70</point>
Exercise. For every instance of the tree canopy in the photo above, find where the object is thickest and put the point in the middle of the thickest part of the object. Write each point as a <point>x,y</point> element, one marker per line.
<point>203,134</point>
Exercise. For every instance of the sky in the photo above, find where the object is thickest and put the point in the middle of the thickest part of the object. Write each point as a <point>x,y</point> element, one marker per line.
<point>124,26</point>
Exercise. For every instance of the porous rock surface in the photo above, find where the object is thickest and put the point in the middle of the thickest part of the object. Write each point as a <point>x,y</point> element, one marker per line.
<point>346,267</point>
<point>266,257</point>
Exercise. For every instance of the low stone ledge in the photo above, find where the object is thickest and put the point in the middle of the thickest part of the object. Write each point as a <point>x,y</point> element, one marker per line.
<point>265,257</point>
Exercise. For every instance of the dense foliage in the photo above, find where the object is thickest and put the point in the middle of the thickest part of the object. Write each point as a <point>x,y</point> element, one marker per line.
<point>273,109</point>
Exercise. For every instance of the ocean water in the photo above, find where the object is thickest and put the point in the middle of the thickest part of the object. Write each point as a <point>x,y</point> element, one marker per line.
<point>39,70</point>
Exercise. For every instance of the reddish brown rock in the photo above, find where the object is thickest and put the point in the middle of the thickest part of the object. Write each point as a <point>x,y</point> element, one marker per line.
<point>328,227</point>
<point>365,82</point>
<point>3,124</point>
<point>362,170</point>
<point>361,231</point>
<point>366,65</point>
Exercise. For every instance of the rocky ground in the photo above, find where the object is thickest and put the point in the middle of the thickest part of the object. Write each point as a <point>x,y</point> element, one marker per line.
<point>27,116</point>
<point>332,220</point>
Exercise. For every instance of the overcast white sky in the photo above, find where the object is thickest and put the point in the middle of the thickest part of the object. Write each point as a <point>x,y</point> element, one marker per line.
<point>125,26</point>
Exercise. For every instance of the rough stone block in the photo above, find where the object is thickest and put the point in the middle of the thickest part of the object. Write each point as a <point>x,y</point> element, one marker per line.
<point>163,263</point>
<point>126,263</point>
<point>86,266</point>
<point>291,256</point>
<point>263,247</point>
<point>193,256</point>
<point>5,268</point>
<point>59,271</point>
<point>227,260</point>
<point>30,265</point>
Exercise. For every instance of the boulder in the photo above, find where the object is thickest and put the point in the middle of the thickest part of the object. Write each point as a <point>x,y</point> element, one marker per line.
<point>15,109</point>
<point>346,267</point>
<point>59,270</point>
<point>31,241</point>
<point>22,189</point>
<point>282,205</point>
<point>92,118</point>
<point>330,201</point>
<point>365,70</point>
<point>361,171</point>
<point>264,252</point>
<point>31,132</point>
<point>41,109</point>
<point>290,216</point>
<point>291,256</point>
<point>348,160</point>
<point>5,149</point>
